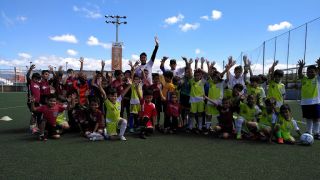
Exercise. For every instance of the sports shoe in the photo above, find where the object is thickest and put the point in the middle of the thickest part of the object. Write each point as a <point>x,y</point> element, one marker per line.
<point>131,130</point>
<point>43,138</point>
<point>317,136</point>
<point>280,140</point>
<point>122,138</point>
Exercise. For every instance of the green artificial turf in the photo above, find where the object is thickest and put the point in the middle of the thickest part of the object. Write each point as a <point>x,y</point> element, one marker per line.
<point>181,156</point>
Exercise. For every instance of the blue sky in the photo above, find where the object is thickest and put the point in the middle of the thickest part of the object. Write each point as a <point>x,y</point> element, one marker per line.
<point>55,32</point>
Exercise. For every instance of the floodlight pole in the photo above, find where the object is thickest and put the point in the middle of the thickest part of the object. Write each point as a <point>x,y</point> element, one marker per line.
<point>117,22</point>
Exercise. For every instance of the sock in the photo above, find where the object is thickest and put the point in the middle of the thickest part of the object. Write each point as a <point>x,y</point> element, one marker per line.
<point>279,134</point>
<point>200,123</point>
<point>238,124</point>
<point>131,121</point>
<point>309,126</point>
<point>123,127</point>
<point>190,122</point>
<point>316,125</point>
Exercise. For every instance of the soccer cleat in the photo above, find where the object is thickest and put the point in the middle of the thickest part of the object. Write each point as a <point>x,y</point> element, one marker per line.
<point>280,140</point>
<point>43,138</point>
<point>122,138</point>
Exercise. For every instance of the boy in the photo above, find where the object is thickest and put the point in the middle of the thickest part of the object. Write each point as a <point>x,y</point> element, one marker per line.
<point>135,106</point>
<point>156,88</point>
<point>50,113</point>
<point>276,89</point>
<point>310,97</point>
<point>148,115</point>
<point>267,119</point>
<point>173,64</point>
<point>172,113</point>
<point>254,89</point>
<point>44,86</point>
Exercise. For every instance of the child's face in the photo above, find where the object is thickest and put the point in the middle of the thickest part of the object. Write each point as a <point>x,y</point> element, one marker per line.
<point>174,98</point>
<point>136,80</point>
<point>127,75</point>
<point>148,98</point>
<point>167,79</point>
<point>156,80</point>
<point>286,114</point>
<point>237,73</point>
<point>143,59</point>
<point>120,76</point>
<point>197,76</point>
<point>36,80</point>
<point>277,79</point>
<point>254,84</point>
<point>215,78</point>
<point>173,66</point>
<point>113,98</point>
<point>71,74</point>
<point>251,100</point>
<point>188,72</point>
<point>311,73</point>
<point>226,104</point>
<point>45,75</point>
<point>94,106</point>
<point>52,102</point>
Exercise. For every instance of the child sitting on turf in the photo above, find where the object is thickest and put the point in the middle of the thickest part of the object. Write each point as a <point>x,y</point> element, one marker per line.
<point>247,119</point>
<point>113,107</point>
<point>50,113</point>
<point>285,124</point>
<point>96,123</point>
<point>225,126</point>
<point>267,119</point>
<point>148,115</point>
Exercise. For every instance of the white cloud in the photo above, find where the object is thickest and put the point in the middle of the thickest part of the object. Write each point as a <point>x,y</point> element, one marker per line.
<point>186,27</point>
<point>93,41</point>
<point>24,55</point>
<point>89,13</point>
<point>280,26</point>
<point>205,18</point>
<point>21,18</point>
<point>174,19</point>
<point>198,51</point>
<point>72,52</point>
<point>216,14</point>
<point>135,57</point>
<point>69,38</point>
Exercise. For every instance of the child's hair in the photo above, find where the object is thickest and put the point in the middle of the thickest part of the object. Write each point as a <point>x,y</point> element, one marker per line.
<point>270,101</point>
<point>173,61</point>
<point>36,76</point>
<point>312,67</point>
<point>254,79</point>
<point>94,100</point>
<point>69,71</point>
<point>174,93</point>
<point>278,72</point>
<point>44,71</point>
<point>238,68</point>
<point>143,54</point>
<point>111,91</point>
<point>148,92</point>
<point>127,71</point>
<point>263,78</point>
<point>168,74</point>
<point>136,76</point>
<point>175,80</point>
<point>154,75</point>
<point>198,71</point>
<point>117,73</point>
<point>285,107</point>
<point>226,99</point>
<point>238,87</point>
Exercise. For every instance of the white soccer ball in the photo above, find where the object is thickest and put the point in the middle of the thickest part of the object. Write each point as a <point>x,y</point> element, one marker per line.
<point>306,139</point>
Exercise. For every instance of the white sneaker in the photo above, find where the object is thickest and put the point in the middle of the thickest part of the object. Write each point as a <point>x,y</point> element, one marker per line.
<point>122,138</point>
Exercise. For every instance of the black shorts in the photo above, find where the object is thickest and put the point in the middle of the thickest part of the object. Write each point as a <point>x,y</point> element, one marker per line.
<point>52,130</point>
<point>184,100</point>
<point>311,111</point>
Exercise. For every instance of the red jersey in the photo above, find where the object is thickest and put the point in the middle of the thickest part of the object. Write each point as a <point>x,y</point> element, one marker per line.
<point>156,88</point>
<point>35,91</point>
<point>149,110</point>
<point>82,88</point>
<point>173,109</point>
<point>69,84</point>
<point>96,118</point>
<point>45,87</point>
<point>50,113</point>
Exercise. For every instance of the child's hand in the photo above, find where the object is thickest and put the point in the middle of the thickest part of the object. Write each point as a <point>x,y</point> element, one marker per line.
<point>164,58</point>
<point>184,58</point>
<point>275,63</point>
<point>156,40</point>
<point>103,63</point>
<point>196,60</point>
<point>213,63</point>
<point>301,63</point>
<point>50,68</point>
<point>32,67</point>
<point>190,61</point>
<point>81,60</point>
<point>202,60</point>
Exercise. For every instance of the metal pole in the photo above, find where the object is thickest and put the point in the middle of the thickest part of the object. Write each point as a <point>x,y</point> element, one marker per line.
<point>263,55</point>
<point>305,42</point>
<point>288,53</point>
<point>117,28</point>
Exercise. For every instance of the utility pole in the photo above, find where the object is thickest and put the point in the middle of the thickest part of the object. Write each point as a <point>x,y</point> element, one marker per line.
<point>116,63</point>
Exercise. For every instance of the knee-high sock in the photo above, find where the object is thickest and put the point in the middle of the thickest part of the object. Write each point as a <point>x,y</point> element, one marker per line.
<point>238,124</point>
<point>131,118</point>
<point>316,125</point>
<point>190,121</point>
<point>123,127</point>
<point>208,121</point>
<point>309,126</point>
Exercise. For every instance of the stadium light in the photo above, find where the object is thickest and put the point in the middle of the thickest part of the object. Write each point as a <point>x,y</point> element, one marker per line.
<point>116,20</point>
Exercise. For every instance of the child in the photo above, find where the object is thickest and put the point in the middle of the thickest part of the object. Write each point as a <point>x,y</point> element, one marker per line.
<point>225,126</point>
<point>310,97</point>
<point>33,84</point>
<point>44,86</point>
<point>267,119</point>
<point>96,123</point>
<point>237,78</point>
<point>247,119</point>
<point>125,105</point>
<point>285,124</point>
<point>135,106</point>
<point>113,107</point>
<point>276,89</point>
<point>216,87</point>
<point>254,89</point>
<point>196,100</point>
<point>148,115</point>
<point>50,113</point>
<point>156,88</point>
<point>172,113</point>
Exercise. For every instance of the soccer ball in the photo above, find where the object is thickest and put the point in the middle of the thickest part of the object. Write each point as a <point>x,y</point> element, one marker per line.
<point>306,139</point>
